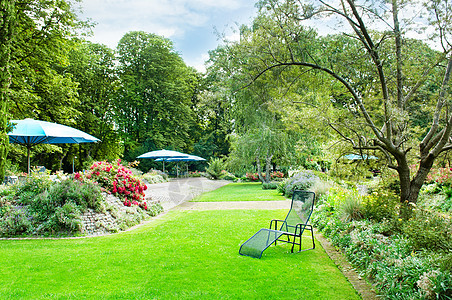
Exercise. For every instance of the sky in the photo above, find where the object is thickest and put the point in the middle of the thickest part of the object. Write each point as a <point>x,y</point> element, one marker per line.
<point>190,24</point>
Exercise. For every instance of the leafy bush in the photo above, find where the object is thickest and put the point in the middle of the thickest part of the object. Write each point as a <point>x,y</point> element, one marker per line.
<point>15,221</point>
<point>153,178</point>
<point>351,209</point>
<point>303,180</point>
<point>430,231</point>
<point>215,168</point>
<point>227,176</point>
<point>196,174</point>
<point>253,177</point>
<point>413,263</point>
<point>117,180</point>
<point>269,185</point>
<point>380,205</point>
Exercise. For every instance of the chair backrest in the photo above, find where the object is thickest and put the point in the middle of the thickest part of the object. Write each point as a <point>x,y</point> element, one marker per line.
<point>300,210</point>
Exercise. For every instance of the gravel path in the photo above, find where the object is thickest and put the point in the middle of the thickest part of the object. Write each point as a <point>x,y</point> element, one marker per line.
<point>180,190</point>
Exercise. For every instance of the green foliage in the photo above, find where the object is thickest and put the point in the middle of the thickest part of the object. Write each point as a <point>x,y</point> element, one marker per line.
<point>39,206</point>
<point>7,25</point>
<point>15,221</point>
<point>380,205</point>
<point>269,185</point>
<point>117,180</point>
<point>351,208</point>
<point>427,230</point>
<point>152,178</point>
<point>157,90</point>
<point>93,68</point>
<point>225,175</point>
<point>215,168</point>
<point>402,259</point>
<point>302,180</point>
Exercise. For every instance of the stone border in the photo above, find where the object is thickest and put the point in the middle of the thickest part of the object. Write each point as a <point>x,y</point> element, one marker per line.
<point>362,287</point>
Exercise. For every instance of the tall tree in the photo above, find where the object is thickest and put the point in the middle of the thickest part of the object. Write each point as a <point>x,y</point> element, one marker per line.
<point>40,88</point>
<point>7,18</point>
<point>155,96</point>
<point>93,68</point>
<point>376,77</point>
<point>42,41</point>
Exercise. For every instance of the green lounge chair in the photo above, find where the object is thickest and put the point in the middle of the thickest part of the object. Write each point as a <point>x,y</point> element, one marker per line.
<point>290,230</point>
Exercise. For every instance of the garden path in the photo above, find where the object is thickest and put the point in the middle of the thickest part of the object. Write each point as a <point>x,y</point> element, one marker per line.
<point>180,190</point>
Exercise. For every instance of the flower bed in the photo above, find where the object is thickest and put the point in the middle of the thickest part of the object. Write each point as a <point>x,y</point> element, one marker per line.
<point>118,180</point>
<point>404,259</point>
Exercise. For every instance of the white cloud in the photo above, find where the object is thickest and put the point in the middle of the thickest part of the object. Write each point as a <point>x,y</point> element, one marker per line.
<point>178,20</point>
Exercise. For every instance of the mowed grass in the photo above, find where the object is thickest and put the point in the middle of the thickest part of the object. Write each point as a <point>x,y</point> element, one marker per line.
<point>244,191</point>
<point>180,255</point>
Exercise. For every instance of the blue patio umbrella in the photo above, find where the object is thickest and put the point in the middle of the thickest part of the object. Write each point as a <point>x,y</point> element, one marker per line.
<point>188,158</point>
<point>357,157</point>
<point>31,132</point>
<point>164,155</point>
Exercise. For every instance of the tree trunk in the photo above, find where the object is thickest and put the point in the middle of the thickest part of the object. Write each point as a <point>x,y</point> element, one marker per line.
<point>409,189</point>
<point>7,11</point>
<point>60,160</point>
<point>259,168</point>
<point>268,162</point>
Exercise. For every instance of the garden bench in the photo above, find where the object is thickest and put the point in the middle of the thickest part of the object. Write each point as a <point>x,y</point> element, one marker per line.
<point>290,230</point>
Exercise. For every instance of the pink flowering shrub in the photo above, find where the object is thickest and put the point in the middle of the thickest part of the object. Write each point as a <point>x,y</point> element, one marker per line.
<point>255,177</point>
<point>252,176</point>
<point>277,174</point>
<point>118,180</point>
<point>441,176</point>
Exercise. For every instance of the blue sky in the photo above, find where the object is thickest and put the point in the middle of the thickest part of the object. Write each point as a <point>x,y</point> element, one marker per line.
<point>190,24</point>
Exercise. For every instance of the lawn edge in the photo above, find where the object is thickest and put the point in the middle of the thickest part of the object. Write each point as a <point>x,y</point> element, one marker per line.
<point>362,287</point>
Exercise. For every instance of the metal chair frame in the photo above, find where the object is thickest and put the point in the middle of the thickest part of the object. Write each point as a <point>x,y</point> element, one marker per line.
<point>280,230</point>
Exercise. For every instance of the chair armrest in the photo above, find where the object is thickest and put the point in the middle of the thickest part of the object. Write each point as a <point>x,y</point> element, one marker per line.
<point>301,226</point>
<point>276,223</point>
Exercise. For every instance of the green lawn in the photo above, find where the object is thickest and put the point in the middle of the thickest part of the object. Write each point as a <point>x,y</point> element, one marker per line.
<point>246,191</point>
<point>181,255</point>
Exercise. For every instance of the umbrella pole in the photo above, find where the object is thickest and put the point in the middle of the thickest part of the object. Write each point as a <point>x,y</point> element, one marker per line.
<point>28,160</point>
<point>163,166</point>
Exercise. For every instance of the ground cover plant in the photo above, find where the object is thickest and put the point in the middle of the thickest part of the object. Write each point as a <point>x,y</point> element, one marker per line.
<point>181,255</point>
<point>42,205</point>
<point>243,191</point>
<point>405,259</point>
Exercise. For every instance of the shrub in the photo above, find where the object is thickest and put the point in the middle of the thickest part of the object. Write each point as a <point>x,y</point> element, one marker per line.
<point>15,221</point>
<point>351,209</point>
<point>227,176</point>
<point>269,185</point>
<point>300,181</point>
<point>277,175</point>
<point>380,205</point>
<point>117,180</point>
<point>195,174</point>
<point>427,230</point>
<point>215,168</point>
<point>253,177</point>
<point>414,263</point>
<point>153,178</point>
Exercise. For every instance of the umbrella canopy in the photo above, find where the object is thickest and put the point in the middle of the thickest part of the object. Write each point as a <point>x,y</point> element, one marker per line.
<point>188,158</point>
<point>163,155</point>
<point>31,132</point>
<point>357,157</point>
